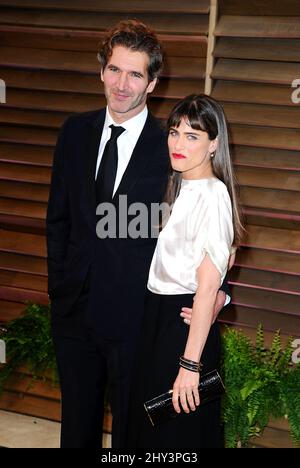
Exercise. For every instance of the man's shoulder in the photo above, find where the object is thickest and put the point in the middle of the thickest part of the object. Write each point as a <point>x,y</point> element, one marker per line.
<point>79,120</point>
<point>157,123</point>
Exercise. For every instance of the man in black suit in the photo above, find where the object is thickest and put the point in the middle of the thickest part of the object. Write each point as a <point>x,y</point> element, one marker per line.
<point>97,284</point>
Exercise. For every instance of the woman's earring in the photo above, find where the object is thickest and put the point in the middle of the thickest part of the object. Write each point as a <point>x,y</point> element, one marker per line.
<point>212,155</point>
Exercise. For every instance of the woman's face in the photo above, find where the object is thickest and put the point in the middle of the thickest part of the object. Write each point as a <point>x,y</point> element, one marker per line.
<point>190,151</point>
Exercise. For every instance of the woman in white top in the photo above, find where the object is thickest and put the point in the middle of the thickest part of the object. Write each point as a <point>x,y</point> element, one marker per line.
<point>189,264</point>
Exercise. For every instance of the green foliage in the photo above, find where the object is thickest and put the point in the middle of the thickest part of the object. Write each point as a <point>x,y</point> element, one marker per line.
<point>28,342</point>
<point>260,383</point>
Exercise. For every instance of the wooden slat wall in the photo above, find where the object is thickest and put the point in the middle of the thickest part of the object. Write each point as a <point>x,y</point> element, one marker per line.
<point>257,56</point>
<point>48,61</point>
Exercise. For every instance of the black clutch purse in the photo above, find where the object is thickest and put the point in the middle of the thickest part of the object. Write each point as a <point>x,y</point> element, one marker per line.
<point>161,408</point>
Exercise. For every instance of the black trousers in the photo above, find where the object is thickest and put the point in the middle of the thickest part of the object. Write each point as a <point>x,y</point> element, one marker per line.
<point>89,369</point>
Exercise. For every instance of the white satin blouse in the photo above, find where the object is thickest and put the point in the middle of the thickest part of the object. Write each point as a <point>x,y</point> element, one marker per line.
<point>200,224</point>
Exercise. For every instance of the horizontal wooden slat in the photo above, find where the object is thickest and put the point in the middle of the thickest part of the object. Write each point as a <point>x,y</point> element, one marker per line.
<point>23,264</point>
<point>269,281</point>
<point>27,135</point>
<point>21,173</point>
<point>277,261</point>
<point>24,191</point>
<point>30,405</point>
<point>240,315</point>
<point>67,39</point>
<point>27,244</point>
<point>35,405</point>
<point>270,199</point>
<point>275,301</point>
<point>10,311</point>
<point>22,224</point>
<point>21,383</point>
<point>49,101</point>
<point>280,27</point>
<point>260,93</point>
<point>274,438</point>
<point>273,239</point>
<point>31,117</point>
<point>23,208</point>
<point>279,423</point>
<point>269,178</point>
<point>272,218</point>
<point>118,6</point>
<point>264,157</point>
<point>164,23</point>
<point>264,137</point>
<point>23,295</point>
<point>278,50</point>
<point>259,71</point>
<point>262,115</point>
<point>24,281</point>
<point>26,154</point>
<point>259,7</point>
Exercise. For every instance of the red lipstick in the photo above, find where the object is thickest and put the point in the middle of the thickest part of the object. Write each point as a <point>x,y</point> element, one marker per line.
<point>178,156</point>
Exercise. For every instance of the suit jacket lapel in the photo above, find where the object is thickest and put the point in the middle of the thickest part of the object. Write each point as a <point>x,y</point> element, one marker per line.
<point>141,156</point>
<point>95,129</point>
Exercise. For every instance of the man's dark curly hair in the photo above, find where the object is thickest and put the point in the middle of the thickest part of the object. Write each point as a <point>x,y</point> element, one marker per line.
<point>136,36</point>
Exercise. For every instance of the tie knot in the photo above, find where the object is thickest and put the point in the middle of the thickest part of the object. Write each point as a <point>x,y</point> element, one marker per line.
<point>116,132</point>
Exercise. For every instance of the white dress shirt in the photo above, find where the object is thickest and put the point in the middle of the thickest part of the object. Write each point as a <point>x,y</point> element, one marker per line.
<point>126,142</point>
<point>200,223</point>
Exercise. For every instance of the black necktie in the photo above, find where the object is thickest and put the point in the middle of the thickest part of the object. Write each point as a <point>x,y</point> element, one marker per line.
<point>108,167</point>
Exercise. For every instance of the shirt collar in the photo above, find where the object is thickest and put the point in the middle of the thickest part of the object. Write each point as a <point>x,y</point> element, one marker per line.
<point>134,125</point>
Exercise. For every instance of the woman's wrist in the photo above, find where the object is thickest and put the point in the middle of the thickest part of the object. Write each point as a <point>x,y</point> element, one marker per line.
<point>188,364</point>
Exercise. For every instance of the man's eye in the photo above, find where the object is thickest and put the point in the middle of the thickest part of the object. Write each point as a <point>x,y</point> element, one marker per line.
<point>136,75</point>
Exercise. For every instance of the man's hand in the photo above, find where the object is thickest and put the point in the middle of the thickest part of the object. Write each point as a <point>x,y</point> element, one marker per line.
<point>186,313</point>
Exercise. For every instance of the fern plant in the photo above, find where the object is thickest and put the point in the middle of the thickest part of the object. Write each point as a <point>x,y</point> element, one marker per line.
<point>28,342</point>
<point>260,383</point>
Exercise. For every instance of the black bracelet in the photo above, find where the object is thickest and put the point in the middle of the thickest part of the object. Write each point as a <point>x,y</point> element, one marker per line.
<point>190,368</point>
<point>190,365</point>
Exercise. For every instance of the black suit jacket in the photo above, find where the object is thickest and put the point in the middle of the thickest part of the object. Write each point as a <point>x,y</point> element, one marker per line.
<point>117,268</point>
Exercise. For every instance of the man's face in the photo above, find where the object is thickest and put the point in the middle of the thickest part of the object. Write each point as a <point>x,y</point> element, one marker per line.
<point>126,83</point>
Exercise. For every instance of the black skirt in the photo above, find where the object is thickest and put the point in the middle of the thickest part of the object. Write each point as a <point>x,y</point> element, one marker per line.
<point>163,339</point>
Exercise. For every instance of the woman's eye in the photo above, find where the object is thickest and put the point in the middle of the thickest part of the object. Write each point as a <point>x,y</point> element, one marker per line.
<point>192,137</point>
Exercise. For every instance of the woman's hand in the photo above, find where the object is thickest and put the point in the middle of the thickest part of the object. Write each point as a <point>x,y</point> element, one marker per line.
<point>185,389</point>
<point>186,313</point>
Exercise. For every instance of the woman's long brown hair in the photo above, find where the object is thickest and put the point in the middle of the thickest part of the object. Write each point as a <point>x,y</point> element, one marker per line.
<point>204,113</point>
